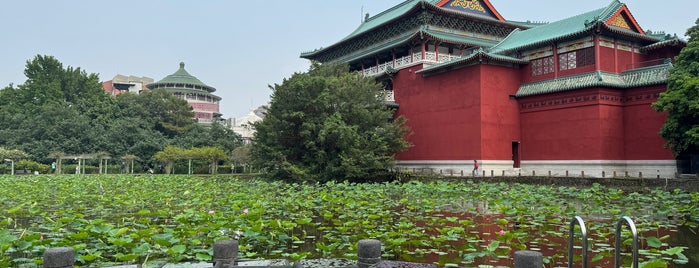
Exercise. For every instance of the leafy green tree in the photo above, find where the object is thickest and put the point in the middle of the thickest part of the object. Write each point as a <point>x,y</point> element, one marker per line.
<point>681,100</point>
<point>327,124</point>
<point>211,154</point>
<point>241,156</point>
<point>169,155</point>
<point>12,154</point>
<point>213,135</point>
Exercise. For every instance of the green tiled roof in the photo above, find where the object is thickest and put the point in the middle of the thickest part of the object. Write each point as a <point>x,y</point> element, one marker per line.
<point>633,78</point>
<point>396,12</point>
<point>458,39</point>
<point>194,91</point>
<point>401,40</point>
<point>556,30</point>
<point>384,17</point>
<point>477,55</point>
<point>181,76</point>
<point>375,21</point>
<point>670,42</point>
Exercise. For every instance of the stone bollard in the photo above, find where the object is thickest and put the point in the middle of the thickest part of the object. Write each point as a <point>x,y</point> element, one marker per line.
<point>528,259</point>
<point>59,257</point>
<point>368,252</point>
<point>225,252</point>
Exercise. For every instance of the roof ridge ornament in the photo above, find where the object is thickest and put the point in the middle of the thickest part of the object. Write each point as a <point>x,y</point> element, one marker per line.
<point>181,64</point>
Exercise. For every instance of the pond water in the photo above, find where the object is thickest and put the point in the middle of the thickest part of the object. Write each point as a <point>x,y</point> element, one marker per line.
<point>550,237</point>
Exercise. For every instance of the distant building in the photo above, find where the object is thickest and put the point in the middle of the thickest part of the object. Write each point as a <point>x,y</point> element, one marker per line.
<point>121,83</point>
<point>243,126</point>
<point>199,95</point>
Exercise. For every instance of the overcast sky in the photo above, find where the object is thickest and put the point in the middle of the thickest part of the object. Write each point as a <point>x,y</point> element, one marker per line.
<point>239,47</point>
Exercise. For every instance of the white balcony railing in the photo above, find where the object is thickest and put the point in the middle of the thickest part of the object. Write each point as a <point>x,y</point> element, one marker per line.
<point>409,60</point>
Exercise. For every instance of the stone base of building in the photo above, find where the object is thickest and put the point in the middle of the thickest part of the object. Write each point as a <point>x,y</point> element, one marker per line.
<point>553,168</point>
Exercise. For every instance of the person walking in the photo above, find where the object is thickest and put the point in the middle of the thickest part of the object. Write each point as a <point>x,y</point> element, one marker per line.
<point>475,168</point>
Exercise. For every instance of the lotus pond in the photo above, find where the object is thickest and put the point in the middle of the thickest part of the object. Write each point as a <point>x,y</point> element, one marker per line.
<point>149,220</point>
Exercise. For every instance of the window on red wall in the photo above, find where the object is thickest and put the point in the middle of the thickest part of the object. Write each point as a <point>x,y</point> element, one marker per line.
<point>542,66</point>
<point>577,58</point>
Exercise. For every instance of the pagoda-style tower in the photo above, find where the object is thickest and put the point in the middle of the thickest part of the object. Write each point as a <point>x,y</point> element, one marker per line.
<point>199,95</point>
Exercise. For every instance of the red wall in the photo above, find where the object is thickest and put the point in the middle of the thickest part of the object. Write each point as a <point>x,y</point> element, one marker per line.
<point>443,112</point>
<point>593,124</point>
<point>561,127</point>
<point>642,125</point>
<point>461,114</point>
<point>499,113</point>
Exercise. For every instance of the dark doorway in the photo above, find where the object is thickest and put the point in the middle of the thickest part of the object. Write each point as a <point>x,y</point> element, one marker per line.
<point>515,154</point>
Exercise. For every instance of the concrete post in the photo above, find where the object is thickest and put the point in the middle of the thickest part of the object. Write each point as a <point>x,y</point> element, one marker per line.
<point>62,257</point>
<point>528,259</point>
<point>225,252</point>
<point>368,252</point>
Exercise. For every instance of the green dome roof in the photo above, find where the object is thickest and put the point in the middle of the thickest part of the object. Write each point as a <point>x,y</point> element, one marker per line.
<point>181,78</point>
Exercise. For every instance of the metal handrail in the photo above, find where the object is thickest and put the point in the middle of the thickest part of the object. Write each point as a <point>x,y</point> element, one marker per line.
<point>617,245</point>
<point>583,230</point>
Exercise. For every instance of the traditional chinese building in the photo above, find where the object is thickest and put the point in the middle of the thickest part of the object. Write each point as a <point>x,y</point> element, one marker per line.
<point>199,95</point>
<point>566,97</point>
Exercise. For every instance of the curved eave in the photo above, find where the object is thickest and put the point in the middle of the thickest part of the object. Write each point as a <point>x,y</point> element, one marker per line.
<point>675,42</point>
<point>596,27</point>
<point>647,76</point>
<point>189,90</point>
<point>417,7</point>
<point>166,85</point>
<point>630,34</point>
<point>402,40</point>
<point>479,56</point>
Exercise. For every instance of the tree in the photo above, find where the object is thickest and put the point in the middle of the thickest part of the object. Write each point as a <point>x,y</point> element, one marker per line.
<point>681,100</point>
<point>169,155</point>
<point>213,135</point>
<point>241,156</point>
<point>12,154</point>
<point>327,124</point>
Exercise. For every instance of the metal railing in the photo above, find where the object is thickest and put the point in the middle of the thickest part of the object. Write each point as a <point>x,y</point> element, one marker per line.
<point>617,244</point>
<point>583,230</point>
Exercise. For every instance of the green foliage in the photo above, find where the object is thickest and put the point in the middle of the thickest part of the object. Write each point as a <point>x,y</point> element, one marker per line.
<point>327,124</point>
<point>171,154</point>
<point>33,166</point>
<point>65,109</point>
<point>213,135</point>
<point>12,154</point>
<point>120,219</point>
<point>681,100</point>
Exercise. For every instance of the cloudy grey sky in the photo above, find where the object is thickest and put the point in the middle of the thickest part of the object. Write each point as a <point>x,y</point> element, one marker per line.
<point>239,47</point>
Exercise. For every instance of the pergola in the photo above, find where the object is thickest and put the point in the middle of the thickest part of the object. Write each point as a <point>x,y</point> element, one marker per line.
<point>103,158</point>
